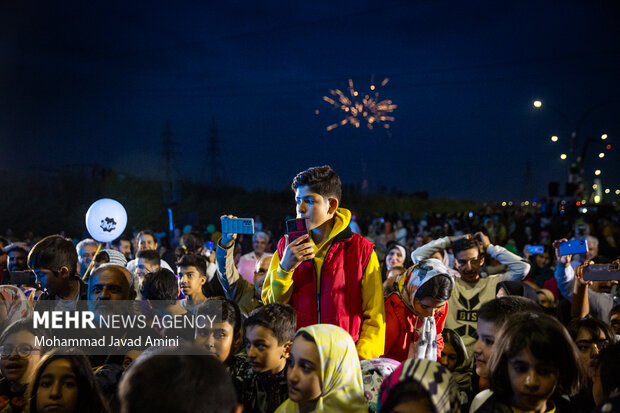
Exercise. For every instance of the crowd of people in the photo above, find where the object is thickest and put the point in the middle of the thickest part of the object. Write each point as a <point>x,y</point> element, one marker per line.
<point>445,313</point>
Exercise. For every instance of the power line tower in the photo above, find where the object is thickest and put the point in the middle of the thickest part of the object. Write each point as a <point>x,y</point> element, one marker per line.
<point>171,189</point>
<point>213,166</point>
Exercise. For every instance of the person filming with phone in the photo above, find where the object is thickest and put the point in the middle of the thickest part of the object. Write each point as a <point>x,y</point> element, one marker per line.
<point>592,297</point>
<point>329,275</point>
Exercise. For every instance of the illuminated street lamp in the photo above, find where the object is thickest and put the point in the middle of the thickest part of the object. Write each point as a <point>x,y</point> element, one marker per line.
<point>563,156</point>
<point>604,136</point>
<point>601,155</point>
<point>607,190</point>
<point>537,103</point>
<point>554,138</point>
<point>597,172</point>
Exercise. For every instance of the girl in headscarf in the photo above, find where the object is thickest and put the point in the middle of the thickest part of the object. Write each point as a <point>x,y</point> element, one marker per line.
<point>324,372</point>
<point>13,305</point>
<point>415,317</point>
<point>419,386</point>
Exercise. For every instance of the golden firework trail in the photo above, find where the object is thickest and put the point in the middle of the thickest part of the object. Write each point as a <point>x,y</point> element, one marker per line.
<point>370,110</point>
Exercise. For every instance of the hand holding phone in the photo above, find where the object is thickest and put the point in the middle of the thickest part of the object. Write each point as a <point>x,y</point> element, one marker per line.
<point>296,252</point>
<point>535,249</point>
<point>564,259</point>
<point>572,247</point>
<point>231,226</point>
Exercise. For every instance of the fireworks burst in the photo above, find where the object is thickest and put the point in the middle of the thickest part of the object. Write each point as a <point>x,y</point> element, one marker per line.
<point>369,110</point>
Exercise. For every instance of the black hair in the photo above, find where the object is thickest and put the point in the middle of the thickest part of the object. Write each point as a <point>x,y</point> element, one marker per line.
<point>23,324</point>
<point>321,179</point>
<point>407,391</point>
<point>146,232</point>
<point>591,325</point>
<point>117,241</point>
<point>192,260</point>
<point>452,337</point>
<point>89,396</point>
<point>229,309</point>
<point>609,364</point>
<point>614,310</point>
<point>16,248</point>
<point>52,253</point>
<point>281,319</point>
<point>498,310</point>
<point>438,288</point>
<point>200,376</point>
<point>102,257</point>
<point>3,242</point>
<point>463,244</point>
<point>191,242</point>
<point>150,256</point>
<point>161,284</point>
<point>547,340</point>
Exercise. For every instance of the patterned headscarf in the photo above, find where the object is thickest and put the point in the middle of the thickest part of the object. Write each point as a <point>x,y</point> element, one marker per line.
<point>15,303</point>
<point>426,344</point>
<point>374,371</point>
<point>341,375</point>
<point>432,376</point>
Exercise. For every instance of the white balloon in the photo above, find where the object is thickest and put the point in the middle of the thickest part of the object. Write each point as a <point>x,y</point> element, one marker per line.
<point>106,220</point>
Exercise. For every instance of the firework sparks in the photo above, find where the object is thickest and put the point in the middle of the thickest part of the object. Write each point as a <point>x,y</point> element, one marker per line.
<point>370,111</point>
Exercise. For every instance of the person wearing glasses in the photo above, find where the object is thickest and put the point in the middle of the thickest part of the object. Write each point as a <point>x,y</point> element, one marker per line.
<point>18,358</point>
<point>470,289</point>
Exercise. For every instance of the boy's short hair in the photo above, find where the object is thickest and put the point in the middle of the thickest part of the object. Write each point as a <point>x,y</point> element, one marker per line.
<point>463,244</point>
<point>192,260</point>
<point>16,248</point>
<point>498,310</point>
<point>281,319</point>
<point>201,378</point>
<point>146,232</point>
<point>230,311</point>
<point>321,179</point>
<point>160,285</point>
<point>150,256</point>
<point>52,253</point>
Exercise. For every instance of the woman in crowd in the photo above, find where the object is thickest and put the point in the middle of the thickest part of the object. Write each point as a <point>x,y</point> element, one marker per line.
<point>396,256</point>
<point>324,373</point>
<point>415,317</point>
<point>19,356</point>
<point>64,382</point>
<point>590,335</point>
<point>420,386</point>
<point>534,363</point>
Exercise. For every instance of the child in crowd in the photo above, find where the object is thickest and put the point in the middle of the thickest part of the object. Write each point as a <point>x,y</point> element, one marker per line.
<point>590,335</point>
<point>261,381</point>
<point>223,337</point>
<point>491,317</point>
<point>64,382</point>
<point>18,359</point>
<point>416,316</point>
<point>533,365</point>
<point>374,371</point>
<point>331,275</point>
<point>194,283</point>
<point>614,319</point>
<point>324,372</point>
<point>454,357</point>
<point>420,386</point>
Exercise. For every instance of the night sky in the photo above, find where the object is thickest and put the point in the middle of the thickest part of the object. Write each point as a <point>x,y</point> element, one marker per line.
<point>94,83</point>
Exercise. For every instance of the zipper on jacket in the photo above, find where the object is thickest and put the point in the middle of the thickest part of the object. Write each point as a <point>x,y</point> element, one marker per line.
<point>318,291</point>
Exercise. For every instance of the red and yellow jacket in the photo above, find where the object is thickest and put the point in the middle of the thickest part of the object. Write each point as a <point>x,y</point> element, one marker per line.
<point>341,286</point>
